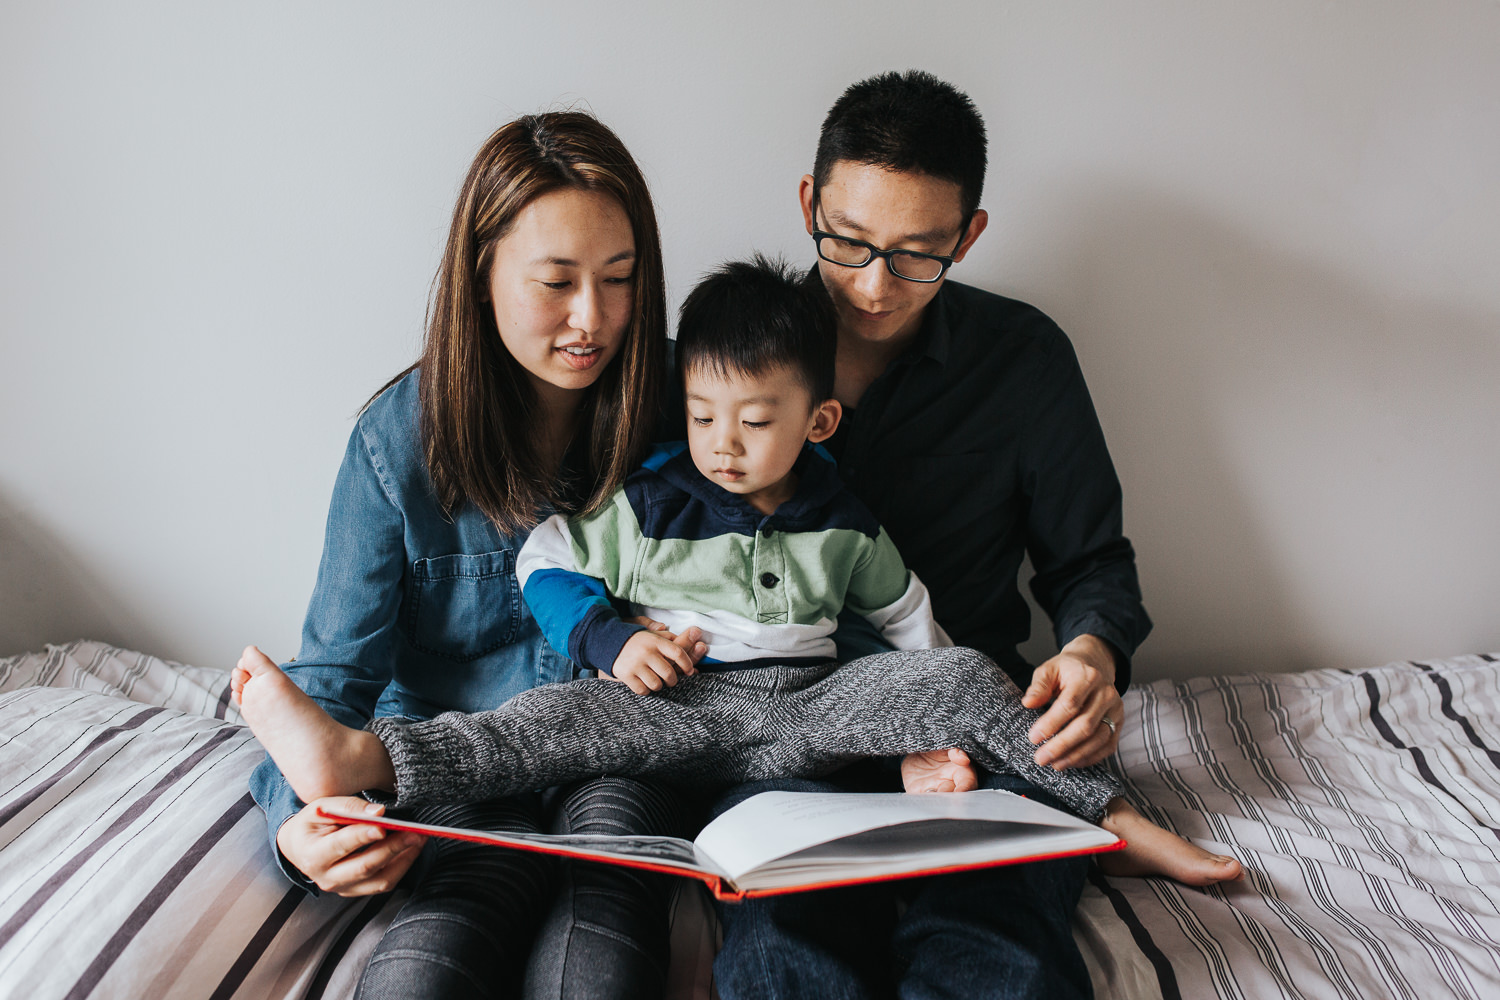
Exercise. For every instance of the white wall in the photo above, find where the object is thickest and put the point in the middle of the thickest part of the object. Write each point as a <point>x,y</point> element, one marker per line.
<point>1271,230</point>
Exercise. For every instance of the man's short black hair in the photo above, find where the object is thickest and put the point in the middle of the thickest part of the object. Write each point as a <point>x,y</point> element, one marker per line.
<point>750,317</point>
<point>908,121</point>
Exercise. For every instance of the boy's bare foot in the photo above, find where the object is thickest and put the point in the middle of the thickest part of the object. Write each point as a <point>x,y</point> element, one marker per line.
<point>318,756</point>
<point>1152,850</point>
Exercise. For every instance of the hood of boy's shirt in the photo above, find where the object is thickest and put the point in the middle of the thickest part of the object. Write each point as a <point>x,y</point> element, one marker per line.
<point>817,483</point>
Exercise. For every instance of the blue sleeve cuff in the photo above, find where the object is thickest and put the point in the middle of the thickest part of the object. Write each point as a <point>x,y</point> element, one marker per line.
<point>275,796</point>
<point>597,640</point>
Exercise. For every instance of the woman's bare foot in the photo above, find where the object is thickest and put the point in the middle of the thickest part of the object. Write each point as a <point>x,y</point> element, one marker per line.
<point>318,756</point>
<point>1152,850</point>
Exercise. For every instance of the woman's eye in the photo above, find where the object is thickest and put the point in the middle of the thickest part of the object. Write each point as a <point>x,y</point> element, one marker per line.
<point>557,286</point>
<point>627,279</point>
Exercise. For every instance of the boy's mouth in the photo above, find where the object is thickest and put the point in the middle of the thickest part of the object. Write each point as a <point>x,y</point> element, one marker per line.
<point>729,474</point>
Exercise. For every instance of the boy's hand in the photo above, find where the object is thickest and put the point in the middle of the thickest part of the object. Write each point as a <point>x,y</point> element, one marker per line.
<point>938,771</point>
<point>651,660</point>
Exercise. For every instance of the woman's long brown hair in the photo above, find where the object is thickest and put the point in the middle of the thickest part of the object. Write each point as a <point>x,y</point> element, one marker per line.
<point>478,407</point>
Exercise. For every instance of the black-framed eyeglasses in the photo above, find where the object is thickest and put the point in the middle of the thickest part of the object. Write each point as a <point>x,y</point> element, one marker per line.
<point>911,265</point>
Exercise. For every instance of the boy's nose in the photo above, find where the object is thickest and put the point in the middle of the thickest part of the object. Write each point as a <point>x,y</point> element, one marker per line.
<point>726,443</point>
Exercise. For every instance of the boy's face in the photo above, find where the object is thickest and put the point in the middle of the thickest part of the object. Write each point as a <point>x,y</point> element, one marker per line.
<point>746,431</point>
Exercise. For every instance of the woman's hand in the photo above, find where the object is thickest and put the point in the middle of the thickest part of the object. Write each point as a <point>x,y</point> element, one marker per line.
<point>348,859</point>
<point>1081,726</point>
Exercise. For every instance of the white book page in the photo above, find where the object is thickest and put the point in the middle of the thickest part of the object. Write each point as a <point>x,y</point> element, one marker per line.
<point>671,852</point>
<point>773,825</point>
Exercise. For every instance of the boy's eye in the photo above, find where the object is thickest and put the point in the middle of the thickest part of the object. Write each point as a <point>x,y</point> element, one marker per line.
<point>703,421</point>
<point>757,424</point>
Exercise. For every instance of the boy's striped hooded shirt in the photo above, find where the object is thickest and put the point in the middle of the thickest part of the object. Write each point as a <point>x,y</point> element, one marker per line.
<point>763,587</point>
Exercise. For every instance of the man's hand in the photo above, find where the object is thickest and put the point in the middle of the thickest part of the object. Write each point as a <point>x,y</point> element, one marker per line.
<point>1080,684</point>
<point>652,660</point>
<point>939,771</point>
<point>350,859</point>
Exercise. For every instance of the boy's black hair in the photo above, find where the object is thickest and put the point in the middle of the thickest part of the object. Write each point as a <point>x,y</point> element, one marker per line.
<point>751,316</point>
<point>908,121</point>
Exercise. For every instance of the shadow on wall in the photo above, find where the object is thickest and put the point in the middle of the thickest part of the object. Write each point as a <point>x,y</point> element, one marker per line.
<point>1309,462</point>
<point>46,594</point>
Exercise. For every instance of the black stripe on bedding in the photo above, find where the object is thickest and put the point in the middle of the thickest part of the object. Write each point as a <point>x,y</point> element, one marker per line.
<point>1389,735</point>
<point>1376,886</point>
<point>129,816</point>
<point>252,952</point>
<point>153,900</point>
<point>13,809</point>
<point>1446,703</point>
<point>223,703</point>
<point>340,947</point>
<point>1166,977</point>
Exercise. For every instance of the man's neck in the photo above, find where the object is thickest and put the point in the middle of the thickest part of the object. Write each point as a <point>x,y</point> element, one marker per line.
<point>860,362</point>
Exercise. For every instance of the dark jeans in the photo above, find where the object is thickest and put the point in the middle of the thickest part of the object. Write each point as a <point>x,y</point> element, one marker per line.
<point>1002,933</point>
<point>485,922</point>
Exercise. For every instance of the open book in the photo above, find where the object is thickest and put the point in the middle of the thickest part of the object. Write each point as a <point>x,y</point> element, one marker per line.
<point>778,842</point>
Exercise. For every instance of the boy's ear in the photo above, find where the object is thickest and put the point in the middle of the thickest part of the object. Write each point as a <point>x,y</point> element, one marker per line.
<point>825,420</point>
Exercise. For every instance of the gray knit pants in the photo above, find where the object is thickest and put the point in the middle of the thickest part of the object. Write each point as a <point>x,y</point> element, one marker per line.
<point>733,726</point>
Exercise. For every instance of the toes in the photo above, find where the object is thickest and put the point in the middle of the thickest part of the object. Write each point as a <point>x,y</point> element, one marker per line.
<point>253,661</point>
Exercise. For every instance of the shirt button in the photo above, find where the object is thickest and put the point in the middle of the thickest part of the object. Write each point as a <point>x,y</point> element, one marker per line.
<point>766,532</point>
<point>768,580</point>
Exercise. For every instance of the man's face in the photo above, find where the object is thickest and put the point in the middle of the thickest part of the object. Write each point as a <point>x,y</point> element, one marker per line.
<point>891,209</point>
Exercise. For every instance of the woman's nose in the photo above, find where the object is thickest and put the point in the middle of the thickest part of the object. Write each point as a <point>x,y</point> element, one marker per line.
<point>586,311</point>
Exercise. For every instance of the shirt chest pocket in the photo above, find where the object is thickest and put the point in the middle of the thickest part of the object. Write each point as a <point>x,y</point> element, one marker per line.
<point>463,606</point>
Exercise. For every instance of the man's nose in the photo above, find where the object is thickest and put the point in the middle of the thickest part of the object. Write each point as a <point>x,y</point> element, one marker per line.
<point>874,280</point>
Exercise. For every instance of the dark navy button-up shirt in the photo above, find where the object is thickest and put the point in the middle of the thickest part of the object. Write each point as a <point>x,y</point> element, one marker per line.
<point>980,445</point>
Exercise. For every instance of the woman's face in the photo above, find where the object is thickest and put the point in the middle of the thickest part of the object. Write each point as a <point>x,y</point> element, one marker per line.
<point>562,287</point>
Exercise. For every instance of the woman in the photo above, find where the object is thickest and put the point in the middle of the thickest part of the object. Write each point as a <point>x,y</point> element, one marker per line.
<point>536,391</point>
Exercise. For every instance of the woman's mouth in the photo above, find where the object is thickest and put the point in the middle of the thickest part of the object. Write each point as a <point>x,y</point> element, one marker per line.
<point>580,357</point>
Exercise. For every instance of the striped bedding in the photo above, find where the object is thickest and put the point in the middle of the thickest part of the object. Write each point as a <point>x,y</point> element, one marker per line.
<point>133,862</point>
<point>1365,804</point>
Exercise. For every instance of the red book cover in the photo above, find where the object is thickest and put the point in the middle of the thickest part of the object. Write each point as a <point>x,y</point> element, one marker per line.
<point>781,842</point>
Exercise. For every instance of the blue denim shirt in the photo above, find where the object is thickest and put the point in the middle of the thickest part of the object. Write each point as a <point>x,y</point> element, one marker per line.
<point>415,612</point>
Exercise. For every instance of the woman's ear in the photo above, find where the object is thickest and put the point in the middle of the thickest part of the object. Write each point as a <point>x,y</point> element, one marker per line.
<point>825,420</point>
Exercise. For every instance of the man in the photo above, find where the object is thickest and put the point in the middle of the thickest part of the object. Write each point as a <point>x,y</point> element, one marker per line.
<point>970,434</point>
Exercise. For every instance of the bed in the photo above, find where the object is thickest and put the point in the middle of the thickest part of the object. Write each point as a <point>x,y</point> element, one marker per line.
<point>1365,804</point>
